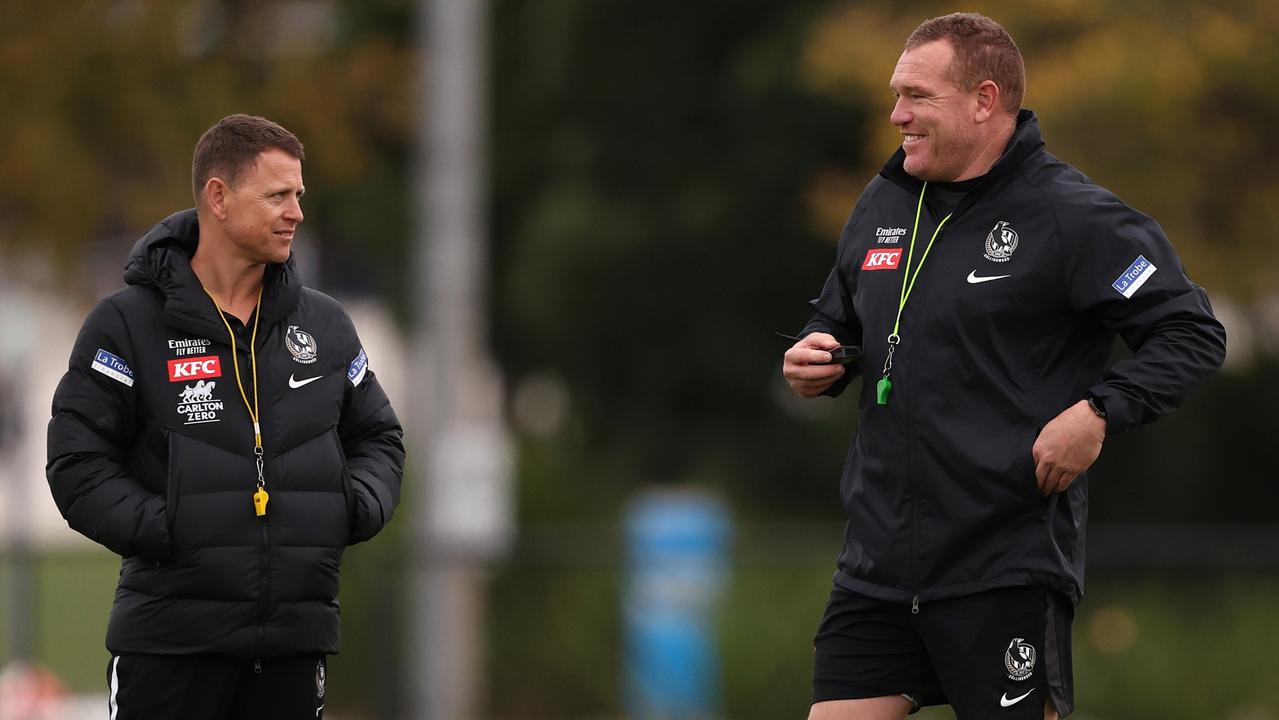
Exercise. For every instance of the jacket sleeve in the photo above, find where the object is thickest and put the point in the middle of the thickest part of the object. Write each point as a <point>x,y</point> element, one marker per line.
<point>833,311</point>
<point>91,433</point>
<point>1123,271</point>
<point>374,445</point>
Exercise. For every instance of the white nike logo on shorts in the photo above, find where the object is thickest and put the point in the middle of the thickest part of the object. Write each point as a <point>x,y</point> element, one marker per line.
<point>295,384</point>
<point>1005,702</point>
<point>973,278</point>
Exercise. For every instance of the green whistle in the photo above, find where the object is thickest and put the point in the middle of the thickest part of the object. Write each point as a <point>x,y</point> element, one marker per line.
<point>882,389</point>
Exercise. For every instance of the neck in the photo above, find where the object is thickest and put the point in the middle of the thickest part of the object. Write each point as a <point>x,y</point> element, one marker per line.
<point>233,282</point>
<point>991,150</point>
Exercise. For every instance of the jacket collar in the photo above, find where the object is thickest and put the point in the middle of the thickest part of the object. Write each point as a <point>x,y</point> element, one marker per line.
<point>161,260</point>
<point>1025,142</point>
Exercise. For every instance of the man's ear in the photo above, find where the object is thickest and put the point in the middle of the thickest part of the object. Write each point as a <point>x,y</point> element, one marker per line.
<point>215,197</point>
<point>987,101</point>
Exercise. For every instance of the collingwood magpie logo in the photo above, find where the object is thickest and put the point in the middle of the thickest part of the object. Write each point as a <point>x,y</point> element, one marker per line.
<point>300,345</point>
<point>1001,242</point>
<point>1019,659</point>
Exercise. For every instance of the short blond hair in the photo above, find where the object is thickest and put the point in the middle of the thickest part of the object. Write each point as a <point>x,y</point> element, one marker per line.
<point>983,51</point>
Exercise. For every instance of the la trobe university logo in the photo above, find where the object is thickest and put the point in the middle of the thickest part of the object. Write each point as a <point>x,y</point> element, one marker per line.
<point>1001,242</point>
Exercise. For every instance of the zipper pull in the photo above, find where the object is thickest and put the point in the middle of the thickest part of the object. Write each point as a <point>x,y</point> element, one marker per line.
<point>257,665</point>
<point>914,605</point>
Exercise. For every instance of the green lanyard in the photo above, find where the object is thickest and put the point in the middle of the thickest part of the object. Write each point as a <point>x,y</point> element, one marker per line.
<point>885,386</point>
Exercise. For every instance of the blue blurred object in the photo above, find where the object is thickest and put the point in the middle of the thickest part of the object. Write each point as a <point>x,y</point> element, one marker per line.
<point>678,544</point>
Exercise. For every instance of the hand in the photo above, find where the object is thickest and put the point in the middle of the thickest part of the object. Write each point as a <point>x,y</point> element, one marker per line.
<point>805,365</point>
<point>1067,446</point>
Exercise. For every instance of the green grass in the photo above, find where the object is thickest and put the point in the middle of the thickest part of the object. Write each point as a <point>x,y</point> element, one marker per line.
<point>73,593</point>
<point>1176,647</point>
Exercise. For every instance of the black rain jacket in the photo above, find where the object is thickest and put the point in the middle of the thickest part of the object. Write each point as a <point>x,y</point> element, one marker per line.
<point>151,455</point>
<point>1011,321</point>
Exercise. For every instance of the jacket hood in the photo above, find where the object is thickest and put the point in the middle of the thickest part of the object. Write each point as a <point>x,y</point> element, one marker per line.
<point>161,260</point>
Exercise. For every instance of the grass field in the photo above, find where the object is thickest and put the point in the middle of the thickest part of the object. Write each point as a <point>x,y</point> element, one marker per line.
<point>1146,645</point>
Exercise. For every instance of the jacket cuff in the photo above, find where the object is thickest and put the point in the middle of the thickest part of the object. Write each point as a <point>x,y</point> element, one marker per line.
<point>1119,412</point>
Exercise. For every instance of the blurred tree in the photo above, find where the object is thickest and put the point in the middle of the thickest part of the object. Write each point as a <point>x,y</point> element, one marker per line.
<point>651,231</point>
<point>669,182</point>
<point>106,99</point>
<point>1169,104</point>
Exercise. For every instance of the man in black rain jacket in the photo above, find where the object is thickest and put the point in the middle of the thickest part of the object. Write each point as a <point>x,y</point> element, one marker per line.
<point>985,281</point>
<point>220,429</point>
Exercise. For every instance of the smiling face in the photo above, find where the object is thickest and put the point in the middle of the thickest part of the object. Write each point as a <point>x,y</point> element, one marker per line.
<point>937,118</point>
<point>264,208</point>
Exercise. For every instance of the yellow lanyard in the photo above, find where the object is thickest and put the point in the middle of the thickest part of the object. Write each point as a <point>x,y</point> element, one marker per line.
<point>260,497</point>
<point>885,386</point>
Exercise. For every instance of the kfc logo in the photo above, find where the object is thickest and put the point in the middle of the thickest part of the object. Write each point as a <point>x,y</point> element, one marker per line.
<point>882,259</point>
<point>195,368</point>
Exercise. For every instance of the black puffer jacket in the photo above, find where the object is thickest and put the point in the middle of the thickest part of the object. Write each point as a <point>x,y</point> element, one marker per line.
<point>1010,322</point>
<point>151,455</point>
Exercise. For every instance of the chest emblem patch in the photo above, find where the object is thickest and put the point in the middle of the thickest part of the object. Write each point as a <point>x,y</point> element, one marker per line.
<point>882,259</point>
<point>196,368</point>
<point>300,345</point>
<point>190,346</point>
<point>889,236</point>
<point>1001,242</point>
<point>198,405</point>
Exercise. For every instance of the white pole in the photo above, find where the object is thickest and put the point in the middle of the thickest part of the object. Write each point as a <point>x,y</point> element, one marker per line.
<point>463,504</point>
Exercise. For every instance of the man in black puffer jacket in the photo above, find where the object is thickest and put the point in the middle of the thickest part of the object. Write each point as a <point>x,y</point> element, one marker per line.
<point>220,429</point>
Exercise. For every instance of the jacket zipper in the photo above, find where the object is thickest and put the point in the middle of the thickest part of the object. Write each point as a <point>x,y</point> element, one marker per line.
<point>265,565</point>
<point>914,480</point>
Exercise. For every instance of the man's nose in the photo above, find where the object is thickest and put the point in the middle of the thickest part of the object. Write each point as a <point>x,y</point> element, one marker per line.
<point>294,211</point>
<point>901,114</point>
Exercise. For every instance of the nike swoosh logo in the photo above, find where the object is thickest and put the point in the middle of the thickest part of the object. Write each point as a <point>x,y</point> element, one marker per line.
<point>1005,702</point>
<point>295,384</point>
<point>973,278</point>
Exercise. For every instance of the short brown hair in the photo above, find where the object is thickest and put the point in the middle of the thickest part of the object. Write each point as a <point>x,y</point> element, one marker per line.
<point>983,51</point>
<point>230,147</point>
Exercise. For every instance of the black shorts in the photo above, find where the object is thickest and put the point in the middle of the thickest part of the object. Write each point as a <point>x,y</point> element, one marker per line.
<point>996,654</point>
<point>207,687</point>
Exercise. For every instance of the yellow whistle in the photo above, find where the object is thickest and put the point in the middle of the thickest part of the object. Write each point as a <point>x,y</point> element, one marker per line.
<point>260,499</point>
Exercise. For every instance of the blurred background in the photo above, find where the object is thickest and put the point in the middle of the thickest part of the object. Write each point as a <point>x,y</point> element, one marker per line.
<point>567,231</point>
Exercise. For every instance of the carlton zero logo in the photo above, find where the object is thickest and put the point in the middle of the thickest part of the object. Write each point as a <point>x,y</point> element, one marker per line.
<point>196,368</point>
<point>882,259</point>
<point>197,403</point>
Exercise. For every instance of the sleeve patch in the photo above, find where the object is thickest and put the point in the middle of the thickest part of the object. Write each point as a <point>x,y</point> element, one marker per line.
<point>113,367</point>
<point>1134,277</point>
<point>359,366</point>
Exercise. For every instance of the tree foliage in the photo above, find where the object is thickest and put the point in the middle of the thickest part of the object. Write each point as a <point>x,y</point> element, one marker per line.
<point>106,98</point>
<point>1169,104</point>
